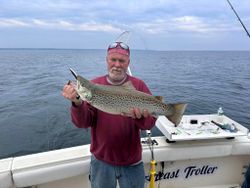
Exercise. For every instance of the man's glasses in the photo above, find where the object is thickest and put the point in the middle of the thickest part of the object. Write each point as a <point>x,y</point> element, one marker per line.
<point>118,44</point>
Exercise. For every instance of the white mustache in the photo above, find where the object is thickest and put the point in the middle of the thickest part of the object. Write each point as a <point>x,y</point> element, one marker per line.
<point>117,69</point>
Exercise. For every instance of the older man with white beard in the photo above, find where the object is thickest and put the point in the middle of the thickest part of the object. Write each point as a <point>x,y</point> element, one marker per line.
<point>115,139</point>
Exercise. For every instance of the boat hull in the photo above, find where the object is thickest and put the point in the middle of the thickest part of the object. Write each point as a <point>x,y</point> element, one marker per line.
<point>212,163</point>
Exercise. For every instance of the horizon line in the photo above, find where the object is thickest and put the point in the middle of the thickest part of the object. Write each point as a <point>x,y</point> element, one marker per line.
<point>45,48</point>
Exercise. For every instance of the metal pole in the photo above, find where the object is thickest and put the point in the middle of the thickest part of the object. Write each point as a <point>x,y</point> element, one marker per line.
<point>152,174</point>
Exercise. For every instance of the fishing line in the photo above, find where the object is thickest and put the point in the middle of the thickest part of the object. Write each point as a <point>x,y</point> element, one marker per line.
<point>124,37</point>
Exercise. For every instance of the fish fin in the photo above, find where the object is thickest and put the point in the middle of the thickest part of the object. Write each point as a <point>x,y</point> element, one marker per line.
<point>160,98</point>
<point>128,85</point>
<point>178,111</point>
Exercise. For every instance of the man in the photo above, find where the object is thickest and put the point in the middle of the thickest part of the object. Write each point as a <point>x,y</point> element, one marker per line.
<point>115,139</point>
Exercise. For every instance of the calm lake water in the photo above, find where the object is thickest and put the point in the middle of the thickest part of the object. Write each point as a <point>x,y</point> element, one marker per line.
<point>34,117</point>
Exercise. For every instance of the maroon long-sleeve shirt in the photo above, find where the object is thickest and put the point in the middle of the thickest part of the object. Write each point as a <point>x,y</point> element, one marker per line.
<point>115,139</point>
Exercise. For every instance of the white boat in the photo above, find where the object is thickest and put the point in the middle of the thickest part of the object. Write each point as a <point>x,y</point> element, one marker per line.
<point>191,159</point>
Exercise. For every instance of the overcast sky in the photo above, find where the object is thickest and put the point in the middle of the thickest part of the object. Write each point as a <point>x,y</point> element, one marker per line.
<point>154,24</point>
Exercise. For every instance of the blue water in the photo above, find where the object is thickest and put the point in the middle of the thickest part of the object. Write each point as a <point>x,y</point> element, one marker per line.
<point>34,117</point>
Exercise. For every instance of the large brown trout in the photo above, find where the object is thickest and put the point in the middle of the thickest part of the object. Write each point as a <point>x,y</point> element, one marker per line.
<point>120,100</point>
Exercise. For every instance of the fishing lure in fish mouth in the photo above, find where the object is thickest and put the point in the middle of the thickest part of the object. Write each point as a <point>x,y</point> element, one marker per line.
<point>73,72</point>
<point>75,75</point>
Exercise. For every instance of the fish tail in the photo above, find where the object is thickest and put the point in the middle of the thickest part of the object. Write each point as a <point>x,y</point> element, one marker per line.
<point>178,111</point>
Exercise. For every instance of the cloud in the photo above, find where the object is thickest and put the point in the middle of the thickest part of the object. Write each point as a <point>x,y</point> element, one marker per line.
<point>185,24</point>
<point>165,16</point>
<point>13,23</point>
<point>193,24</point>
<point>158,26</point>
<point>155,20</point>
<point>59,25</point>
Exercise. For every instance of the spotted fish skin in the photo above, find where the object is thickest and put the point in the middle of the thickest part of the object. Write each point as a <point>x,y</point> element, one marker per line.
<point>120,99</point>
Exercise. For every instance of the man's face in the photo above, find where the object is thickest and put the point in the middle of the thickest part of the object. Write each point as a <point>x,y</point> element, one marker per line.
<point>117,66</point>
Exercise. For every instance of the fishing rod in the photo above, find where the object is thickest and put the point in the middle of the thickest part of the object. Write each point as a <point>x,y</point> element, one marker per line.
<point>238,18</point>
<point>124,37</point>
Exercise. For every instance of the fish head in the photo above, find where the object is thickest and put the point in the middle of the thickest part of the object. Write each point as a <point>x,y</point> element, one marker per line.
<point>84,88</point>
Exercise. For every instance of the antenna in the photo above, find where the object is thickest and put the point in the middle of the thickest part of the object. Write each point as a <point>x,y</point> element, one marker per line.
<point>239,18</point>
